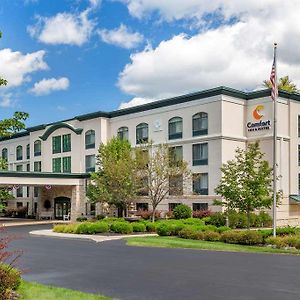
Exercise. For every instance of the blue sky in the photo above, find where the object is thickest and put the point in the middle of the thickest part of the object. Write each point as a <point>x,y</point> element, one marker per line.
<point>130,52</point>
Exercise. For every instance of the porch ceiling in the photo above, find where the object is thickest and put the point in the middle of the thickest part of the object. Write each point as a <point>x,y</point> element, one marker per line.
<point>41,178</point>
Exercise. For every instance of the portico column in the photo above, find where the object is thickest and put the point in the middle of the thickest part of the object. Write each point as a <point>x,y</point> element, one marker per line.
<point>78,200</point>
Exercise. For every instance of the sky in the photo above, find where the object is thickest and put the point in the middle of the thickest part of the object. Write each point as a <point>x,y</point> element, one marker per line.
<point>64,58</point>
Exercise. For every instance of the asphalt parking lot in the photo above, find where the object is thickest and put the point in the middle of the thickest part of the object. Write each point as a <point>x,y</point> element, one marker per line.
<point>116,270</point>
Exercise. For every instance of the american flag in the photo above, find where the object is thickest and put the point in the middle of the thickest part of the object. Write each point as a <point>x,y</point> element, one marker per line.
<point>273,80</point>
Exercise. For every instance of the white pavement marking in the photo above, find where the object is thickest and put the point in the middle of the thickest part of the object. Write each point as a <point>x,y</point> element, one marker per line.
<point>97,238</point>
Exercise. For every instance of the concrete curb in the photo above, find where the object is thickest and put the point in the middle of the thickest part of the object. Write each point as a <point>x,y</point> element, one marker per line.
<point>95,238</point>
<point>12,224</point>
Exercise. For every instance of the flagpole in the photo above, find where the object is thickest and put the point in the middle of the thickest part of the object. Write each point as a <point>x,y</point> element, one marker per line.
<point>275,143</point>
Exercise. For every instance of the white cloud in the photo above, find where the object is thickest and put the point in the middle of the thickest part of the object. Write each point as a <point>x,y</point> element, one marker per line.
<point>46,86</point>
<point>238,55</point>
<point>134,102</point>
<point>16,66</point>
<point>6,101</point>
<point>121,37</point>
<point>63,28</point>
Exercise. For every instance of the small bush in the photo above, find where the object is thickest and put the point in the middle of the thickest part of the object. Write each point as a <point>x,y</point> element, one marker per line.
<point>59,228</point>
<point>279,242</point>
<point>150,227</point>
<point>193,221</point>
<point>248,237</point>
<point>121,227</point>
<point>211,236</point>
<point>263,219</point>
<point>182,211</point>
<point>202,213</point>
<point>10,280</point>
<point>81,219</point>
<point>138,227</point>
<point>86,228</point>
<point>189,233</point>
<point>100,217</point>
<point>71,228</point>
<point>217,219</point>
<point>147,214</point>
<point>101,227</point>
<point>223,229</point>
<point>169,228</point>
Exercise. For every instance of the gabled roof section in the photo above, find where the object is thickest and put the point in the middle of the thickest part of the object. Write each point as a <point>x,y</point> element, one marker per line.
<point>222,90</point>
<point>58,126</point>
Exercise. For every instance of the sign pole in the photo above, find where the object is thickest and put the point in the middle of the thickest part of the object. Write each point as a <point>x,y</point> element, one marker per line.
<point>275,92</point>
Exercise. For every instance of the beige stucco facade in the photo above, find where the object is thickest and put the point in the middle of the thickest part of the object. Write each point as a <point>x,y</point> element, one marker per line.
<point>230,115</point>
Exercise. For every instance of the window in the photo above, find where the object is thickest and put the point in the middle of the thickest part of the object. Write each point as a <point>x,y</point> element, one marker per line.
<point>37,167</point>
<point>90,163</point>
<point>37,148</point>
<point>56,165</point>
<point>172,206</point>
<point>142,133</point>
<point>90,139</point>
<point>142,206</point>
<point>175,155</point>
<point>19,152</point>
<point>27,192</point>
<point>66,164</point>
<point>28,167</point>
<point>66,142</point>
<point>200,206</point>
<point>19,168</point>
<point>56,144</point>
<point>175,128</point>
<point>200,154</point>
<point>176,185</point>
<point>19,193</point>
<point>142,157</point>
<point>123,133</point>
<point>200,124</point>
<point>19,204</point>
<point>200,184</point>
<point>298,155</point>
<point>4,154</point>
<point>35,192</point>
<point>28,151</point>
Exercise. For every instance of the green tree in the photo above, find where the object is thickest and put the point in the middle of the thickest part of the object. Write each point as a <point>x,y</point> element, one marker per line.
<point>246,183</point>
<point>116,181</point>
<point>285,84</point>
<point>161,173</point>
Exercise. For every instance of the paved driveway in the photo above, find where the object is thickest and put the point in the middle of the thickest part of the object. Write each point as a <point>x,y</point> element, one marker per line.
<point>116,270</point>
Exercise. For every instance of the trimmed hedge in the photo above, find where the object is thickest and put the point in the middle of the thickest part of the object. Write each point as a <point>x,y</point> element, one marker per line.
<point>138,227</point>
<point>121,227</point>
<point>247,237</point>
<point>284,241</point>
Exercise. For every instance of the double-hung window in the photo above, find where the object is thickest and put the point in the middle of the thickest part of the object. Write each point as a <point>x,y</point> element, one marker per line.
<point>200,154</point>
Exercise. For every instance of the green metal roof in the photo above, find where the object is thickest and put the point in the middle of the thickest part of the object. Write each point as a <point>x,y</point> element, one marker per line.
<point>43,174</point>
<point>222,90</point>
<point>295,198</point>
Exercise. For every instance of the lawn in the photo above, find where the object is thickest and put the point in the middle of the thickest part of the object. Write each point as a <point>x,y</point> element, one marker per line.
<point>34,291</point>
<point>174,242</point>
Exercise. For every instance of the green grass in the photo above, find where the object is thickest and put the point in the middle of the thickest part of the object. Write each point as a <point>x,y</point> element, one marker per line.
<point>35,291</point>
<point>174,242</point>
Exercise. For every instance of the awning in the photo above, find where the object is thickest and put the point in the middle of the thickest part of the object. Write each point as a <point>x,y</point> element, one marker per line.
<point>295,198</point>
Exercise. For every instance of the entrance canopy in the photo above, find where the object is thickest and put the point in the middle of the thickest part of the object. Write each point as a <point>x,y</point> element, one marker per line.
<point>41,178</point>
<point>295,198</point>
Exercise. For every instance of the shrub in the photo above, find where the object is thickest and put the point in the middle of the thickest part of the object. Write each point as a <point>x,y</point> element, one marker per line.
<point>121,227</point>
<point>101,227</point>
<point>59,228</point>
<point>202,213</point>
<point>100,217</point>
<point>71,228</point>
<point>263,219</point>
<point>279,242</point>
<point>211,236</point>
<point>293,241</point>
<point>169,228</point>
<point>190,233</point>
<point>218,219</point>
<point>182,211</point>
<point>81,219</point>
<point>223,229</point>
<point>85,228</point>
<point>10,280</point>
<point>193,221</point>
<point>150,227</point>
<point>248,237</point>
<point>138,227</point>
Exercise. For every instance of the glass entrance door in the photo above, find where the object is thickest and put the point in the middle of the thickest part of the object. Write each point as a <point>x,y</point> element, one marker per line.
<point>62,206</point>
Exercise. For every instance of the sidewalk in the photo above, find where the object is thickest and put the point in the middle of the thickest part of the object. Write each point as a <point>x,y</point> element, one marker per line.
<point>96,238</point>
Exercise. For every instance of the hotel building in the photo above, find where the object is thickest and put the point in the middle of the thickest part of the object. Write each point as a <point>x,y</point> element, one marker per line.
<point>48,164</point>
